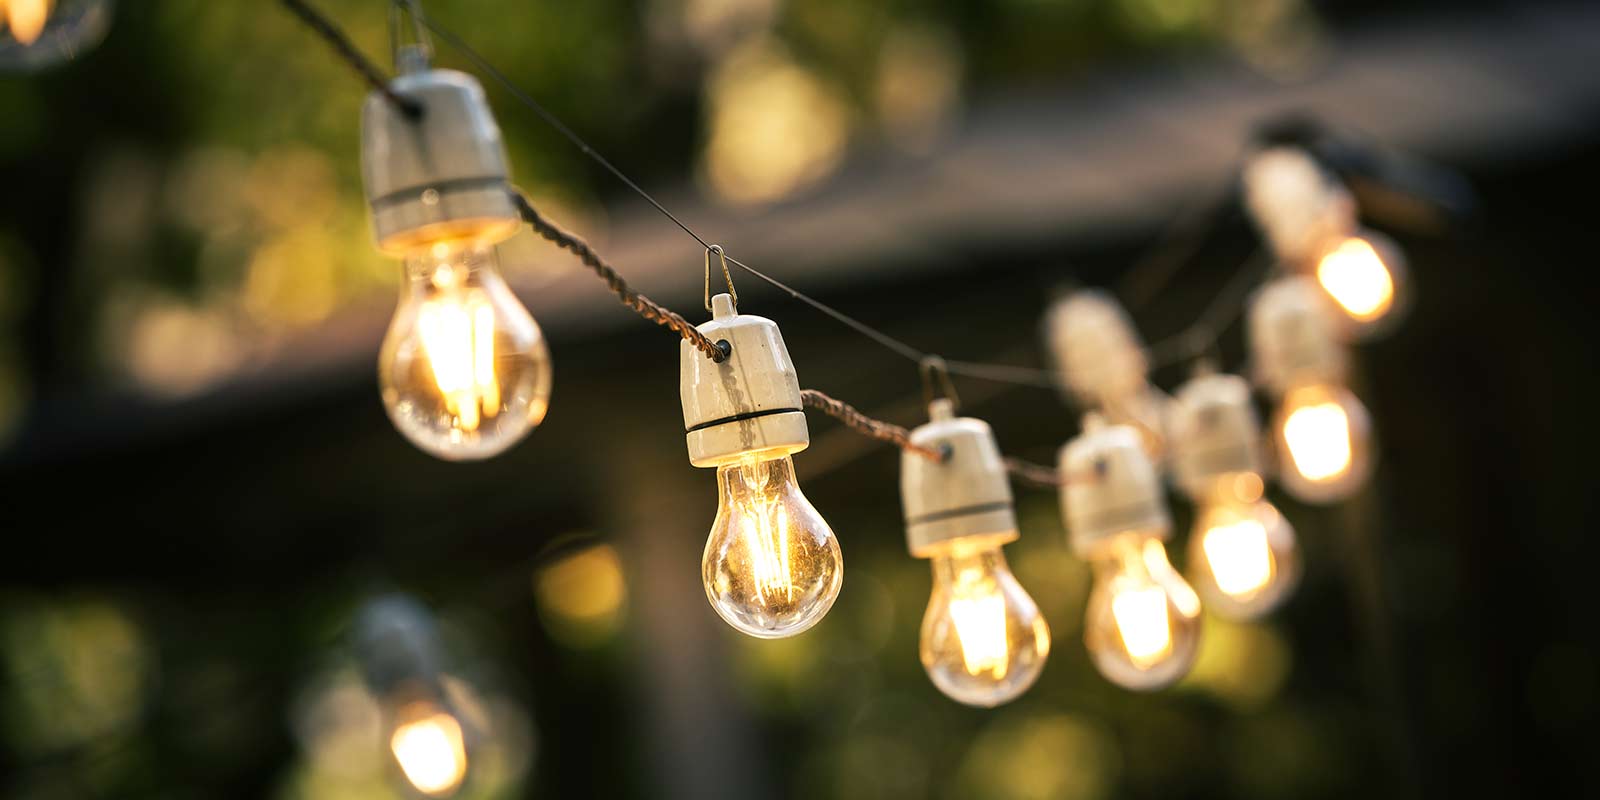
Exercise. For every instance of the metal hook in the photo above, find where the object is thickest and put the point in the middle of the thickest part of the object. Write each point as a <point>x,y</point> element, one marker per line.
<point>726,275</point>
<point>932,368</point>
<point>422,47</point>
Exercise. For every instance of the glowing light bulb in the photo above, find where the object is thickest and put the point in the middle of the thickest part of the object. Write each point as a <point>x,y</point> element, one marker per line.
<point>1363,274</point>
<point>25,19</point>
<point>1322,436</point>
<point>772,566</point>
<point>1242,552</point>
<point>983,640</point>
<point>465,370</point>
<point>1143,621</point>
<point>428,744</point>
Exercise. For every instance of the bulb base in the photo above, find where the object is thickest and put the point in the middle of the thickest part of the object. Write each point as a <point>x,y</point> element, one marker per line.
<point>439,177</point>
<point>1112,489</point>
<point>1096,348</point>
<point>1296,205</point>
<point>965,496</point>
<point>1294,337</point>
<point>748,403</point>
<point>1214,432</point>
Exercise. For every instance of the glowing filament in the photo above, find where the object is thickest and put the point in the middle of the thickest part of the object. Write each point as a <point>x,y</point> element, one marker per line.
<point>458,337</point>
<point>431,752</point>
<point>1354,275</point>
<point>1141,616</point>
<point>766,538</point>
<point>25,18</point>
<point>1238,555</point>
<point>979,611</point>
<point>1318,437</point>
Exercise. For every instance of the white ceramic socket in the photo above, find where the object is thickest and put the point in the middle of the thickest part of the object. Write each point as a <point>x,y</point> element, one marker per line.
<point>965,496</point>
<point>748,403</point>
<point>1214,432</point>
<point>1296,204</point>
<point>441,176</point>
<point>1097,350</point>
<point>1112,488</point>
<point>1294,336</point>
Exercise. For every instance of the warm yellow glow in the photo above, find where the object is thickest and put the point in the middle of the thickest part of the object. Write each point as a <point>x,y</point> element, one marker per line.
<point>431,751</point>
<point>1141,615</point>
<point>1318,438</point>
<point>457,332</point>
<point>978,609</point>
<point>1238,556</point>
<point>25,18</point>
<point>1354,275</point>
<point>766,533</point>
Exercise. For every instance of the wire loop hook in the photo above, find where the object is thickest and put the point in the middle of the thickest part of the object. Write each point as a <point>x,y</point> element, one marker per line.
<point>936,379</point>
<point>726,275</point>
<point>420,49</point>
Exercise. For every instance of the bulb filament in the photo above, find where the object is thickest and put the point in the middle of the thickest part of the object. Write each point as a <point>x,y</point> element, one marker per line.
<point>457,332</point>
<point>978,609</point>
<point>1318,437</point>
<point>1354,275</point>
<point>1239,557</point>
<point>431,751</point>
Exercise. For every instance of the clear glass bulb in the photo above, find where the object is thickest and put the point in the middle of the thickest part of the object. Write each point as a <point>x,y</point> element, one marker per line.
<point>36,34</point>
<point>1242,553</point>
<point>983,640</point>
<point>430,747</point>
<point>1143,622</point>
<point>772,566</point>
<point>1322,434</point>
<point>465,370</point>
<point>1364,275</point>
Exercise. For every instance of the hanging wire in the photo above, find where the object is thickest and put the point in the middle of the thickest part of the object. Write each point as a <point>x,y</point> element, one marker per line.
<point>726,275</point>
<point>346,50</point>
<point>1201,337</point>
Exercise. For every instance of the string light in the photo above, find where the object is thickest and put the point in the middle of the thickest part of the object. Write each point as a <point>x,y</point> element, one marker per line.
<point>38,34</point>
<point>1309,220</point>
<point>428,740</point>
<point>1103,366</point>
<point>772,567</point>
<point>1242,553</point>
<point>1321,430</point>
<point>1142,624</point>
<point>464,369</point>
<point>983,640</point>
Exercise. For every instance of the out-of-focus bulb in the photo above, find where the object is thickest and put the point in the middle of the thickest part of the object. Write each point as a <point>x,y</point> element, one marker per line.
<point>772,566</point>
<point>1143,622</point>
<point>1363,275</point>
<point>430,748</point>
<point>465,371</point>
<point>983,639</point>
<point>1322,434</point>
<point>24,19</point>
<point>1242,553</point>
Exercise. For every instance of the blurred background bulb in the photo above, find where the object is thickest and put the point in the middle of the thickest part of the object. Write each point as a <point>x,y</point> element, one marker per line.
<point>428,744</point>
<point>1143,622</point>
<point>1242,552</point>
<point>983,640</point>
<point>465,370</point>
<point>1364,275</point>
<point>1322,434</point>
<point>772,566</point>
<point>36,34</point>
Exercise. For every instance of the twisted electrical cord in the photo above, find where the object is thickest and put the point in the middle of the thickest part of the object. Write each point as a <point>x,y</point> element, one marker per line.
<point>874,428</point>
<point>642,305</point>
<point>1035,474</point>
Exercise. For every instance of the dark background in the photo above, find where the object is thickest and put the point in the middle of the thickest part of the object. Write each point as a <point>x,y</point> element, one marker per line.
<point>201,487</point>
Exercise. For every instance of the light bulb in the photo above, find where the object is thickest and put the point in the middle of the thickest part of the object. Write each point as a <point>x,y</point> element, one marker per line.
<point>772,566</point>
<point>1363,274</point>
<point>1143,622</point>
<point>24,19</point>
<point>1322,434</point>
<point>983,640</point>
<point>465,371</point>
<point>1242,552</point>
<point>428,744</point>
